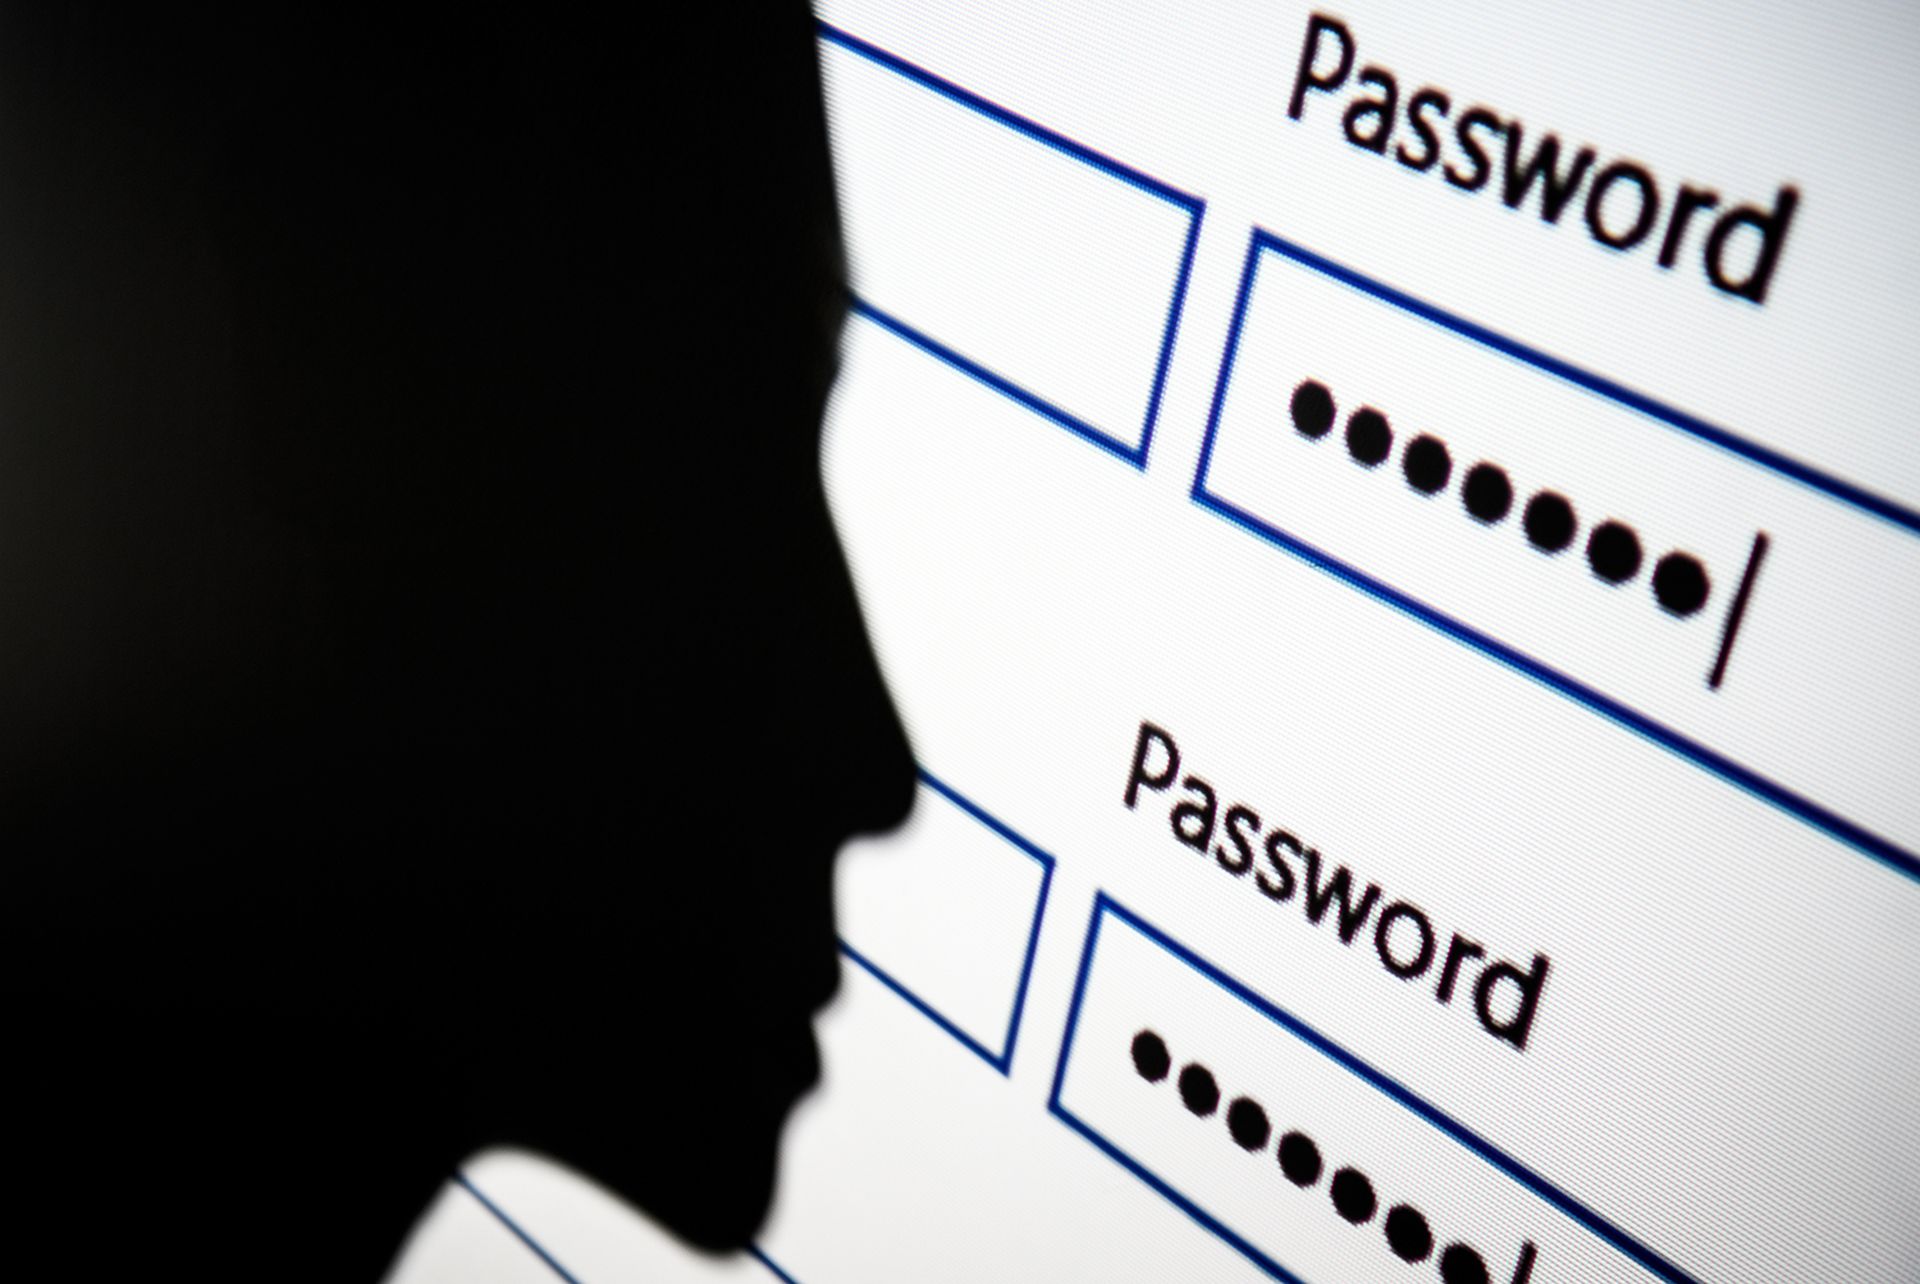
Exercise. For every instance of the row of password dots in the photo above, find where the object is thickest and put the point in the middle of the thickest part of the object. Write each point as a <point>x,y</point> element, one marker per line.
<point>1406,1228</point>
<point>1680,583</point>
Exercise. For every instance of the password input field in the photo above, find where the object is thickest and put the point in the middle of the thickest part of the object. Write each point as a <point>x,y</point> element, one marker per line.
<point>1580,533</point>
<point>1305,1159</point>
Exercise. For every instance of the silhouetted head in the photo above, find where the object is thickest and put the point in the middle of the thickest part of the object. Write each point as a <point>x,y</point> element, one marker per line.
<point>437,694</point>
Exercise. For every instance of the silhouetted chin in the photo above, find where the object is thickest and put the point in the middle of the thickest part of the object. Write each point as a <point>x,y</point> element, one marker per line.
<point>684,1123</point>
<point>725,1183</point>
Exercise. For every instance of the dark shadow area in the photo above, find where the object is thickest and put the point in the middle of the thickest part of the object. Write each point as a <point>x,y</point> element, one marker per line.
<point>431,692</point>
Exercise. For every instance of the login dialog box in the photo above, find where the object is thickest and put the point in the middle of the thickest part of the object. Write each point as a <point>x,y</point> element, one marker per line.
<point>1395,534</point>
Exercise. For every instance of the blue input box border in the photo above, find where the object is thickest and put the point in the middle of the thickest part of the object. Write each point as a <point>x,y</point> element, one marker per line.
<point>1002,1060</point>
<point>1104,906</point>
<point>1195,208</point>
<point>1797,805</point>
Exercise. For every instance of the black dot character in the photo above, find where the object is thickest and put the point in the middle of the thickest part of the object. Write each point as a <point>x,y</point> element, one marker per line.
<point>1312,409</point>
<point>1300,1159</point>
<point>1407,1233</point>
<point>1150,1056</point>
<point>1680,583</point>
<point>1487,493</point>
<point>1198,1089</point>
<point>1248,1124</point>
<point>1613,551</point>
<point>1549,522</point>
<point>1353,1195</point>
<point>1427,465</point>
<point>1369,440</point>
<point>1461,1265</point>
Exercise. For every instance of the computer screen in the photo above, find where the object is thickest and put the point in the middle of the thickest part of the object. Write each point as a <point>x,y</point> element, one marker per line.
<point>1394,531</point>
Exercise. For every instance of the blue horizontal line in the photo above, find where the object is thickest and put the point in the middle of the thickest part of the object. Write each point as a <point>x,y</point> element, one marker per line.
<point>1006,387</point>
<point>1834,487</point>
<point>1013,120</point>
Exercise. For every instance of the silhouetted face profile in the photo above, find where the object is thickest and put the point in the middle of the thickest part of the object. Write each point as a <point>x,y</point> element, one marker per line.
<point>432,696</point>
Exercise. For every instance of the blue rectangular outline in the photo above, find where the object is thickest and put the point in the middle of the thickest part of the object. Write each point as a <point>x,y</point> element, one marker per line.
<point>1767,790</point>
<point>1104,905</point>
<point>1002,1060</point>
<point>1194,206</point>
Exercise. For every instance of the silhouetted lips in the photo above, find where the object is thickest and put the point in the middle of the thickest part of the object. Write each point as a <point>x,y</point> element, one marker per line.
<point>810,1073</point>
<point>828,981</point>
<point>778,1063</point>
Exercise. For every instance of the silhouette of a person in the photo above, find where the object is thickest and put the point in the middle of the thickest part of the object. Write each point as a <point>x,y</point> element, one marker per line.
<point>431,692</point>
